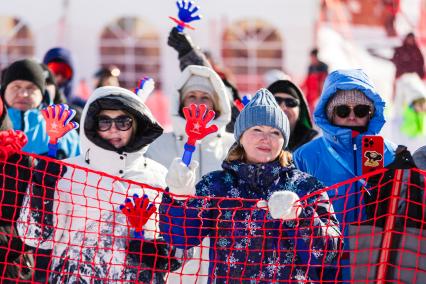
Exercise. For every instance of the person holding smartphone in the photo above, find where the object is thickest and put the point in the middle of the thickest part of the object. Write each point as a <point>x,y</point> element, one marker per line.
<point>349,108</point>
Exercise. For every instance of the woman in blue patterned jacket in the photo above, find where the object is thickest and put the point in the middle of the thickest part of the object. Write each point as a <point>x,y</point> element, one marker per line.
<point>259,229</point>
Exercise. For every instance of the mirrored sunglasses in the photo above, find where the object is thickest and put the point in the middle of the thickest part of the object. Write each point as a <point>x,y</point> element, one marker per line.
<point>360,111</point>
<point>289,102</point>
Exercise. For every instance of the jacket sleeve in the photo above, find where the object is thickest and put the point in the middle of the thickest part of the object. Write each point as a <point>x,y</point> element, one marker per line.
<point>317,228</point>
<point>194,57</point>
<point>184,224</point>
<point>298,161</point>
<point>41,210</point>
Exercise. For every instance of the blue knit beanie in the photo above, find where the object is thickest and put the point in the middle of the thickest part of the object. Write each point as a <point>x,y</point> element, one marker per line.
<point>262,110</point>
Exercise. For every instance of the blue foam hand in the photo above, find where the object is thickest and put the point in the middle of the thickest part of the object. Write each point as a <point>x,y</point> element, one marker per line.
<point>186,13</point>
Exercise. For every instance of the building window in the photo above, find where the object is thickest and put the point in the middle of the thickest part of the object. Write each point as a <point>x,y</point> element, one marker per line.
<point>250,48</point>
<point>16,41</point>
<point>133,46</point>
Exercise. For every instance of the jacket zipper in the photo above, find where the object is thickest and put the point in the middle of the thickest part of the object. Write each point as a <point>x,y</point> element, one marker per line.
<point>356,195</point>
<point>22,121</point>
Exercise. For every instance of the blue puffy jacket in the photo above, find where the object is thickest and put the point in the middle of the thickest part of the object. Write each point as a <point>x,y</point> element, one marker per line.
<point>336,156</point>
<point>34,126</point>
<point>246,243</point>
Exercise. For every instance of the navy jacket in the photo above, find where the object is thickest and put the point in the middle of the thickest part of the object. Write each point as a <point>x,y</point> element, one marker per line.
<point>246,243</point>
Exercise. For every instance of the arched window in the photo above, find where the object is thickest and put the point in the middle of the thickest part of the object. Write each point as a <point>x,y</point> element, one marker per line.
<point>250,48</point>
<point>133,46</point>
<point>16,41</point>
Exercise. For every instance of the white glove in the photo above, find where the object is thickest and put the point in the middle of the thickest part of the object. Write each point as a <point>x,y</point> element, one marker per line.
<point>181,179</point>
<point>283,205</point>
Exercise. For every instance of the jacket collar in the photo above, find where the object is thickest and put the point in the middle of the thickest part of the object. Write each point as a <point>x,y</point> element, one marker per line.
<point>258,176</point>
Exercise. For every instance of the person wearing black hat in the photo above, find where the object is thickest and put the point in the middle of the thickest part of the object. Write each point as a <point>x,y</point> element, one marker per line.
<point>55,96</point>
<point>23,91</point>
<point>107,76</point>
<point>292,101</point>
<point>17,259</point>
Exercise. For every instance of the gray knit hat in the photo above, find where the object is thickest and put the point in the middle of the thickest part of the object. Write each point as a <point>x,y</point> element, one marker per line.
<point>419,157</point>
<point>262,110</point>
<point>199,83</point>
<point>344,97</point>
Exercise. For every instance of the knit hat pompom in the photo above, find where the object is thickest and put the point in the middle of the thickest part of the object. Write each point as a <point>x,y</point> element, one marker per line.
<point>262,110</point>
<point>345,97</point>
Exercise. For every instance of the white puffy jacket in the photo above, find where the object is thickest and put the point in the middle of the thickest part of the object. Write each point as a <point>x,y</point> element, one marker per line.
<point>408,88</point>
<point>210,153</point>
<point>212,150</point>
<point>91,236</point>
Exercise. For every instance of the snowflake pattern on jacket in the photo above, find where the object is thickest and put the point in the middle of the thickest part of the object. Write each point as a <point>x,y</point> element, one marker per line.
<point>248,245</point>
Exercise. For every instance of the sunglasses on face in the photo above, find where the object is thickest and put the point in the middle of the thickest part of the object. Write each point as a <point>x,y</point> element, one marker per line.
<point>122,123</point>
<point>360,111</point>
<point>289,102</point>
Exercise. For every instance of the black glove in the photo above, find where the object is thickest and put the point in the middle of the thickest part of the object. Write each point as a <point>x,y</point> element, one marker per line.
<point>181,42</point>
<point>156,254</point>
<point>47,173</point>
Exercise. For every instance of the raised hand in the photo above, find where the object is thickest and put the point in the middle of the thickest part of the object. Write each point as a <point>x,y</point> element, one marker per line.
<point>196,122</point>
<point>187,9</point>
<point>180,41</point>
<point>138,212</point>
<point>11,141</point>
<point>145,87</point>
<point>58,123</point>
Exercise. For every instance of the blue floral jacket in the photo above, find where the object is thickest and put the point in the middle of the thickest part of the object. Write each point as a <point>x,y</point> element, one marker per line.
<point>246,243</point>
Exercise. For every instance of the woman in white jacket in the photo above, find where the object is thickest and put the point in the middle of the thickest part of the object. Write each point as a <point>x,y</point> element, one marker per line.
<point>87,231</point>
<point>198,85</point>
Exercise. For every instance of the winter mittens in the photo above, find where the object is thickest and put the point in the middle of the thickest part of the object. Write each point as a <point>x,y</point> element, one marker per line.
<point>181,179</point>
<point>282,205</point>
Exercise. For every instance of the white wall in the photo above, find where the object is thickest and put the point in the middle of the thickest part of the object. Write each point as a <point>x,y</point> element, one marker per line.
<point>294,19</point>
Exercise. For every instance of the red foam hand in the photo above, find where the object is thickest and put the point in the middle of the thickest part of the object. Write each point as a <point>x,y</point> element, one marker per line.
<point>196,121</point>
<point>138,213</point>
<point>58,121</point>
<point>11,141</point>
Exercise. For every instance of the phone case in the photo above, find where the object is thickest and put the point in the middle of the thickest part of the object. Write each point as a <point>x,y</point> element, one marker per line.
<point>372,153</point>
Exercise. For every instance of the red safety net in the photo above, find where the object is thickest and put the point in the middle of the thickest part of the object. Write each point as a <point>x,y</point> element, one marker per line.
<point>62,223</point>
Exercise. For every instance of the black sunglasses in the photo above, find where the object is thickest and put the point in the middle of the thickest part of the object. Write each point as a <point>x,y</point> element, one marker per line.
<point>122,122</point>
<point>289,102</point>
<point>360,111</point>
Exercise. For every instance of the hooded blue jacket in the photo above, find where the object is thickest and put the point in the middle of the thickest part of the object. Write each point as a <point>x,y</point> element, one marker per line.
<point>246,242</point>
<point>336,156</point>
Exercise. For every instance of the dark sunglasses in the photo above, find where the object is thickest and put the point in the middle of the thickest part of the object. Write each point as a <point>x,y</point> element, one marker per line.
<point>360,111</point>
<point>289,102</point>
<point>122,122</point>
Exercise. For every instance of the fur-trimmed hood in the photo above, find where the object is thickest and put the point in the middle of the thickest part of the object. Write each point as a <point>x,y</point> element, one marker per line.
<point>99,153</point>
<point>223,102</point>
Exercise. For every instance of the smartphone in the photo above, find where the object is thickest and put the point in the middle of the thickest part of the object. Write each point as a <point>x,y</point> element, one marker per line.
<point>372,153</point>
